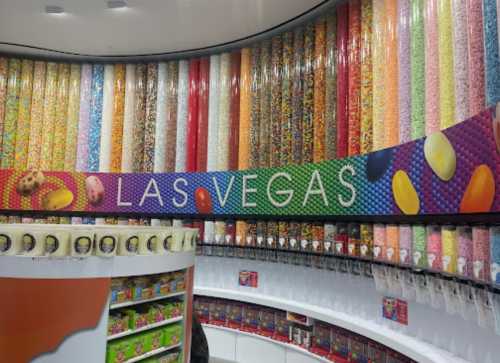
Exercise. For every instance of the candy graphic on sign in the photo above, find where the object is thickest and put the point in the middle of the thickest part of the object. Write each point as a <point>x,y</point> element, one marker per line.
<point>480,192</point>
<point>404,193</point>
<point>203,201</point>
<point>30,183</point>
<point>377,164</point>
<point>94,189</point>
<point>57,199</point>
<point>440,155</point>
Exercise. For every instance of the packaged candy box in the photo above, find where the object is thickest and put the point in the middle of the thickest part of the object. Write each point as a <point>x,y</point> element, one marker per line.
<point>156,313</point>
<point>172,334</point>
<point>118,323</point>
<point>142,288</point>
<point>170,358</point>
<point>120,290</point>
<point>154,340</point>
<point>118,351</point>
<point>282,327</point>
<point>234,315</point>
<point>163,285</point>
<point>139,317</point>
<point>322,339</point>
<point>250,319</point>
<point>137,345</point>
<point>173,309</point>
<point>266,322</point>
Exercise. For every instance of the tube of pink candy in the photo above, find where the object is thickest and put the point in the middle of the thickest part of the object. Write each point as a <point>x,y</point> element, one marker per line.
<point>379,242</point>
<point>481,253</point>
<point>434,248</point>
<point>405,244</point>
<point>464,264</point>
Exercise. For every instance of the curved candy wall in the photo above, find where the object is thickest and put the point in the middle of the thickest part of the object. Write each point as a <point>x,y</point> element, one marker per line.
<point>363,76</point>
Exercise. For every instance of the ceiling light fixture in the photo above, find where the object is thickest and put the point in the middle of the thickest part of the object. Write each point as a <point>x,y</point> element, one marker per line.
<point>54,9</point>
<point>117,4</point>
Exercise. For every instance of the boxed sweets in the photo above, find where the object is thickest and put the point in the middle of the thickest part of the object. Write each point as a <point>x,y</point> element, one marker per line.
<point>250,318</point>
<point>154,339</point>
<point>218,314</point>
<point>395,357</point>
<point>234,315</point>
<point>282,326</point>
<point>138,317</point>
<point>142,288</point>
<point>156,313</point>
<point>267,322</point>
<point>322,339</point>
<point>358,347</point>
<point>162,284</point>
<point>300,335</point>
<point>203,310</point>
<point>376,352</point>
<point>172,334</point>
<point>178,282</point>
<point>299,319</point>
<point>121,290</point>
<point>173,309</point>
<point>117,323</point>
<point>118,351</point>
<point>340,343</point>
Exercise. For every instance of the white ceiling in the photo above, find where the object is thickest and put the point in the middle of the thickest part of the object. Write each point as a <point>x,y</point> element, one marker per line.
<point>145,27</point>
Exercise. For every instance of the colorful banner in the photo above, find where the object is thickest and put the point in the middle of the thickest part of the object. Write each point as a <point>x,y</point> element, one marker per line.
<point>448,172</point>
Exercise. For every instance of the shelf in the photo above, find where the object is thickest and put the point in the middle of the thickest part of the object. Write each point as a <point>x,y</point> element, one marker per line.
<point>152,353</point>
<point>93,267</point>
<point>144,328</point>
<point>267,339</point>
<point>414,348</point>
<point>137,302</point>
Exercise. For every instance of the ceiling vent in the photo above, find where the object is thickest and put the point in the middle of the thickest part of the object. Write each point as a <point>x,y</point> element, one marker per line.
<point>54,9</point>
<point>117,4</point>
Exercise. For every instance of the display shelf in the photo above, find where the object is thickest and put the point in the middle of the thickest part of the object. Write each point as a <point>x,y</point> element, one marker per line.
<point>490,286</point>
<point>270,340</point>
<point>70,267</point>
<point>414,348</point>
<point>144,328</point>
<point>152,353</point>
<point>137,302</point>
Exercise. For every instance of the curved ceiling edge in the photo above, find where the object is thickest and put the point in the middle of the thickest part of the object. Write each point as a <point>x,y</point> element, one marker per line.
<point>35,52</point>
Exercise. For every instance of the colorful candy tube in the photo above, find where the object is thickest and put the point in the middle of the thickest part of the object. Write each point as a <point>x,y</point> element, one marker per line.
<point>391,111</point>
<point>297,95</point>
<point>4,71</point>
<point>224,101</point>
<point>342,79</point>
<point>450,249</point>
<point>150,117</point>
<point>331,86</point>
<point>491,46</point>
<point>404,74</point>
<point>254,130</point>
<point>464,261</point>
<point>495,254</point>
<point>308,96</point>
<point>48,116</point>
<point>366,243</point>
<point>128,120</point>
<point>182,104</point>
<point>23,118</point>
<point>417,69</point>
<point>392,243</point>
<point>341,239</point>
<point>460,59</point>
<point>234,110</point>
<point>192,122</point>
<point>354,78</point>
<point>475,38</point>
<point>276,101</point>
<point>405,244</point>
<point>265,105</point>
<point>36,117</point>
<point>419,247</point>
<point>95,116</point>
<point>202,137</point>
<point>173,81</point>
<point>82,152</point>
<point>11,113</point>
<point>354,239</point>
<point>434,248</point>
<point>140,118</point>
<point>366,77</point>
<point>379,242</point>
<point>244,126</point>
<point>319,90</point>
<point>61,113</point>
<point>446,76</point>
<point>73,117</point>
<point>117,120</point>
<point>432,114</point>
<point>481,253</point>
<point>379,64</point>
<point>286,100</point>
<point>107,119</point>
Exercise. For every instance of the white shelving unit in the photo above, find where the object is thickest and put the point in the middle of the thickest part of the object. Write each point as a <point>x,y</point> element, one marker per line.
<point>144,328</point>
<point>285,346</point>
<point>152,353</point>
<point>138,302</point>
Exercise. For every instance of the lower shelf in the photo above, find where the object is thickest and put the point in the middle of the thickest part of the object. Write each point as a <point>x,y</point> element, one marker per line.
<point>152,353</point>
<point>283,344</point>
<point>144,328</point>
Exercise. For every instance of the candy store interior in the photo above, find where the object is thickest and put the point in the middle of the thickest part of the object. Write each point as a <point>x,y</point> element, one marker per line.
<point>221,181</point>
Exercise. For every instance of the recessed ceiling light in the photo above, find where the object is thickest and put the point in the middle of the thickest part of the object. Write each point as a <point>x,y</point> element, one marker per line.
<point>117,4</point>
<point>54,9</point>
